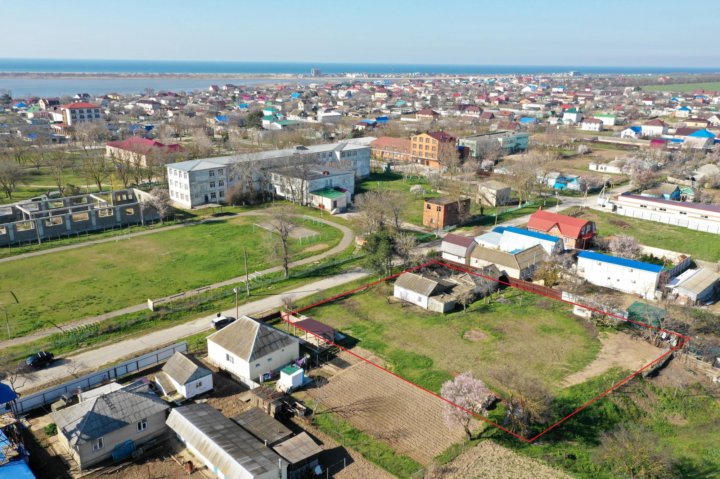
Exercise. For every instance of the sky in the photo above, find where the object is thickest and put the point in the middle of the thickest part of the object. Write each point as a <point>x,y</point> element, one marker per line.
<point>667,33</point>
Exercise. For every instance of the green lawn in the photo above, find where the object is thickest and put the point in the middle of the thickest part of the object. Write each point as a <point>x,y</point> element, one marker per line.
<point>429,348</point>
<point>698,244</point>
<point>413,208</point>
<point>685,87</point>
<point>75,284</point>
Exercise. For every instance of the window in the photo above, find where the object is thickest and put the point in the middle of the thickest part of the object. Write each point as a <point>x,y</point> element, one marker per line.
<point>129,211</point>
<point>54,221</point>
<point>212,173</point>
<point>439,208</point>
<point>105,212</point>
<point>229,358</point>
<point>3,230</point>
<point>198,384</point>
<point>78,217</point>
<point>221,183</point>
<point>212,184</point>
<point>257,365</point>
<point>25,226</point>
<point>142,425</point>
<point>222,194</point>
<point>98,444</point>
<point>213,196</point>
<point>269,360</point>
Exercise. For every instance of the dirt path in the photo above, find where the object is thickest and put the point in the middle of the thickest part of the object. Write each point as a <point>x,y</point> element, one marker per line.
<point>488,460</point>
<point>618,350</point>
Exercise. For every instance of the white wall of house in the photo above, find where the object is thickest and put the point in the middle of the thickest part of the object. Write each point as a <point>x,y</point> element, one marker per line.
<point>479,263</point>
<point>619,277</point>
<point>410,296</point>
<point>193,388</point>
<point>454,257</point>
<point>248,373</point>
<point>653,130</point>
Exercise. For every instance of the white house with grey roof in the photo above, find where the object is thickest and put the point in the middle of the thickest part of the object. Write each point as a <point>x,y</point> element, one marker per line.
<point>184,375</point>
<point>248,349</point>
<point>228,450</point>
<point>207,181</point>
<point>92,430</point>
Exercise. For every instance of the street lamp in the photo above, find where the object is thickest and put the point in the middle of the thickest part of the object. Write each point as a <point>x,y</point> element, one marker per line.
<point>7,321</point>
<point>236,290</point>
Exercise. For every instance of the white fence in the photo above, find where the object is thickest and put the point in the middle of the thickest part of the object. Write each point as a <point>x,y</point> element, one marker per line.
<point>50,395</point>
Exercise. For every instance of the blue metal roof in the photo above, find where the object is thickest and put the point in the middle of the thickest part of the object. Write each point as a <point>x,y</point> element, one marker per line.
<point>628,263</point>
<point>636,129</point>
<point>16,470</point>
<point>703,134</point>
<point>7,394</point>
<point>533,234</point>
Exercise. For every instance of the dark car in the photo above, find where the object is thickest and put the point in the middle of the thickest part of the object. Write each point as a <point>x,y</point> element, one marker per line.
<point>40,360</point>
<point>221,321</point>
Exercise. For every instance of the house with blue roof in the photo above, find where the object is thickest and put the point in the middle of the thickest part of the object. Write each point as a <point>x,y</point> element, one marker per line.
<point>621,274</point>
<point>633,132</point>
<point>700,139</point>
<point>683,112</point>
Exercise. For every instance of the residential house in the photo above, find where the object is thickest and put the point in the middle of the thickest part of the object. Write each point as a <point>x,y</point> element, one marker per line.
<point>457,248</point>
<point>700,139</point>
<point>520,265</point>
<point>620,274</point>
<point>428,293</point>
<point>494,193</point>
<point>515,239</point>
<point>591,124</point>
<point>137,151</point>
<point>185,376</point>
<point>391,149</point>
<point>575,232</point>
<point>225,448</point>
<point>80,112</point>
<point>250,350</point>
<point>694,216</point>
<point>608,120</point>
<point>696,122</point>
<point>683,112</point>
<point>434,149</point>
<point>572,116</point>
<point>665,191</point>
<point>439,213</point>
<point>654,127</point>
<point>614,167</point>
<point>632,132</point>
<point>504,142</point>
<point>427,114</point>
<point>111,424</point>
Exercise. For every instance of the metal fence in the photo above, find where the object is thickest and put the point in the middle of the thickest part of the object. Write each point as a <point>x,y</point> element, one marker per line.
<point>50,395</point>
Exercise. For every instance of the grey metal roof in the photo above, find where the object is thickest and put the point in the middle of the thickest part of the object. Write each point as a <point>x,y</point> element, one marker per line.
<point>267,429</point>
<point>417,284</point>
<point>101,415</point>
<point>249,339</point>
<point>185,369</point>
<point>222,442</point>
<point>298,448</point>
<point>701,280</point>
<point>220,161</point>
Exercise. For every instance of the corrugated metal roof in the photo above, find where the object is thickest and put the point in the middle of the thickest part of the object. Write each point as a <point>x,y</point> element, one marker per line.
<point>266,429</point>
<point>628,263</point>
<point>101,415</point>
<point>226,445</point>
<point>249,339</point>
<point>298,448</point>
<point>701,280</point>
<point>532,234</point>
<point>184,369</point>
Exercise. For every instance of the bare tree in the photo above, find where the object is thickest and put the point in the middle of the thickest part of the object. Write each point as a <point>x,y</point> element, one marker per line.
<point>471,394</point>
<point>466,297</point>
<point>635,453</point>
<point>160,201</point>
<point>625,246</point>
<point>59,163</point>
<point>11,173</point>
<point>281,224</point>
<point>405,249</point>
<point>529,400</point>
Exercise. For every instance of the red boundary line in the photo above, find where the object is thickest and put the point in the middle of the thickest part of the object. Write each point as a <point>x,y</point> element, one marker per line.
<point>685,340</point>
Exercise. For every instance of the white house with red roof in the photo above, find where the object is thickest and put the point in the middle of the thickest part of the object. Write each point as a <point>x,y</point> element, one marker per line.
<point>80,112</point>
<point>457,248</point>
<point>575,232</point>
<point>654,127</point>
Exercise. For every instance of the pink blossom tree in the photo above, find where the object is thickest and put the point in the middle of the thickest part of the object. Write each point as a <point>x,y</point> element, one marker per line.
<point>625,246</point>
<point>471,394</point>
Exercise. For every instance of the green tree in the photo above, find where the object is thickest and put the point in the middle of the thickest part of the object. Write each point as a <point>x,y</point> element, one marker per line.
<point>380,249</point>
<point>254,119</point>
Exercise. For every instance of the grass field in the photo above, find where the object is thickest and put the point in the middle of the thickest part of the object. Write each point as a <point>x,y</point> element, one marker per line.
<point>429,348</point>
<point>698,244</point>
<point>75,284</point>
<point>685,87</point>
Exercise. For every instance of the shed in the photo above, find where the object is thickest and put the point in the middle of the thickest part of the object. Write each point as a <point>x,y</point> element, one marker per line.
<point>185,375</point>
<point>697,285</point>
<point>300,451</point>
<point>266,429</point>
<point>291,377</point>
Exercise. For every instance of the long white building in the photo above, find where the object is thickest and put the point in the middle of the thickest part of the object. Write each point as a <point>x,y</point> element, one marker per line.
<point>695,216</point>
<point>208,180</point>
<point>626,275</point>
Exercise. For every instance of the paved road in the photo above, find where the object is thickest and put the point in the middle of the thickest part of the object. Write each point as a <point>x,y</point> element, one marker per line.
<point>95,358</point>
<point>347,239</point>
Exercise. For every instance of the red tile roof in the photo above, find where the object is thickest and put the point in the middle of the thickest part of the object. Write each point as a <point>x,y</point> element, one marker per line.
<point>80,104</point>
<point>401,145</point>
<point>544,221</point>
<point>441,136</point>
<point>464,241</point>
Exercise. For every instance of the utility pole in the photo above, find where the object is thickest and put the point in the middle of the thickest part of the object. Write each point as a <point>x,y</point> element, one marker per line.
<point>247,276</point>
<point>235,290</point>
<point>4,307</point>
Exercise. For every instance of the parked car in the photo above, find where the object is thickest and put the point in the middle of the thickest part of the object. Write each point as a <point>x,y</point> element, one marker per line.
<point>40,360</point>
<point>221,321</point>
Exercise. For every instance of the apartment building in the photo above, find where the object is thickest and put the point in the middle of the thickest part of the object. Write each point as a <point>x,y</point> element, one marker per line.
<point>506,142</point>
<point>207,181</point>
<point>80,112</point>
<point>433,149</point>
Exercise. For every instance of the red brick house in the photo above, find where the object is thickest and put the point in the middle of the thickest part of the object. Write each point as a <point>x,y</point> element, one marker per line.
<point>575,232</point>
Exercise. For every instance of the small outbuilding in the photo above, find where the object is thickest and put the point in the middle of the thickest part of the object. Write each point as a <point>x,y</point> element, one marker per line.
<point>184,375</point>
